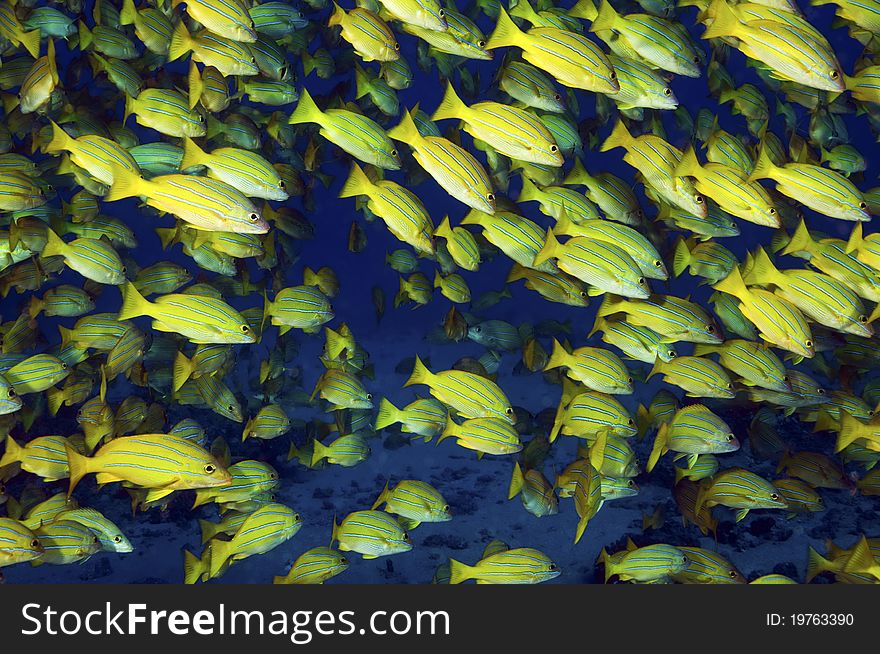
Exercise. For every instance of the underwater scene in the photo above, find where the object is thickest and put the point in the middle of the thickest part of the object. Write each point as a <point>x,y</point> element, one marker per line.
<point>423,291</point>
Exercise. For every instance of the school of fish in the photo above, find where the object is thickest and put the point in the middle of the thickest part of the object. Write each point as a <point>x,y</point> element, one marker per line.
<point>203,120</point>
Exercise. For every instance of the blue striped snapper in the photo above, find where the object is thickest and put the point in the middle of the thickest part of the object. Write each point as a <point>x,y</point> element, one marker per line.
<point>248,479</point>
<point>571,58</point>
<point>739,489</point>
<point>314,566</point>
<point>415,501</point>
<point>18,544</point>
<point>262,531</point>
<point>371,534</point>
<point>692,431</point>
<point>522,565</point>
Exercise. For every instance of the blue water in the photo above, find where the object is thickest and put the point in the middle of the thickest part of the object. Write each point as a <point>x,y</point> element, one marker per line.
<point>476,490</point>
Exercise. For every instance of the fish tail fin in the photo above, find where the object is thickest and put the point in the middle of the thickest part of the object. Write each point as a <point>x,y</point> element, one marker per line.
<point>611,304</point>
<point>384,496</point>
<point>505,34</point>
<point>578,174</point>
<point>193,155</point>
<point>558,419</point>
<point>181,42</point>
<point>319,451</point>
<point>361,83</point>
<point>856,239</point>
<point>220,552</point>
<point>458,571</point>
<point>183,370</point>
<point>306,110</point>
<point>54,245</point>
<point>133,303</point>
<point>420,374</point>
<point>357,183</point>
<point>801,240</point>
<point>60,140</point>
<point>816,565</point>
<point>448,429</point>
<point>85,35</point>
<point>581,528</point>
<point>11,454</point>
<point>193,567</point>
<point>31,42</point>
<point>517,272</point>
<point>643,420</point>
<point>585,9</point>
<point>763,270</point>
<point>605,18</point>
<point>126,184</point>
<point>660,443</point>
<point>549,249</point>
<point>733,285</point>
<point>523,9</point>
<point>337,16</point>
<point>405,130</point>
<point>444,229</point>
<point>195,85</point>
<point>529,191</point>
<point>209,530</point>
<point>438,280</point>
<point>78,466</point>
<point>849,431</point>
<point>689,166</point>
<point>558,357</point>
<point>620,137</point>
<point>451,106</point>
<point>54,399</point>
<point>656,369</point>
<point>764,167</point>
<point>128,13</point>
<point>516,482</point>
<point>682,257</point>
<point>309,63</point>
<point>724,21</point>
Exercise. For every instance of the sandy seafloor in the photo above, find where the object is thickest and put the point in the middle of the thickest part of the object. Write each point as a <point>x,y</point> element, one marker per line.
<point>765,541</point>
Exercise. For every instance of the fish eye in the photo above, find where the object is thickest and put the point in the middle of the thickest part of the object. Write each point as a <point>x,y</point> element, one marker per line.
<point>210,468</point>
<point>231,408</point>
<point>552,566</point>
<point>273,476</point>
<point>732,574</point>
<point>282,185</point>
<point>35,543</point>
<point>254,217</point>
<point>863,205</point>
<point>629,380</point>
<point>710,329</point>
<point>491,197</point>
<point>585,295</point>
<point>245,329</point>
<point>729,385</point>
<point>667,91</point>
<point>730,438</point>
<point>631,422</point>
<point>63,366</point>
<point>478,329</point>
<point>863,319</point>
<point>698,199</point>
<point>343,560</point>
<point>820,391</point>
<point>613,75</point>
<point>11,392</point>
<point>630,483</point>
<point>672,354</point>
<point>481,44</point>
<point>441,13</point>
<point>786,379</point>
<point>445,508</point>
<point>369,396</point>
<point>774,496</point>
<point>697,59</point>
<point>641,280</point>
<point>657,263</point>
<point>808,343</point>
<point>834,74</point>
<point>772,211</point>
<point>397,46</point>
<point>394,153</point>
<point>553,148</point>
<point>117,539</point>
<point>557,96</point>
<point>509,411</point>
<point>201,118</point>
<point>296,517</point>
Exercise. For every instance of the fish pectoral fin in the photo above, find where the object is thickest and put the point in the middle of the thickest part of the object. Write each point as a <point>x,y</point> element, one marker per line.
<point>742,513</point>
<point>369,556</point>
